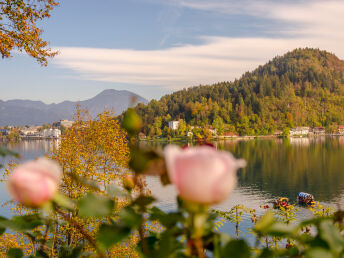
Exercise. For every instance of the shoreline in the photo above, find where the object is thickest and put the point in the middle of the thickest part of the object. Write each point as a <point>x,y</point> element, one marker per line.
<point>247,137</point>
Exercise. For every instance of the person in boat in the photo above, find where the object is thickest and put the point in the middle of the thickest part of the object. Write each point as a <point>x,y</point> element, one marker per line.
<point>281,203</point>
<point>305,198</point>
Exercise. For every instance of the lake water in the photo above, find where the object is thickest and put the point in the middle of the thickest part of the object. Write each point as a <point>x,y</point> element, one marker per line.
<point>275,168</point>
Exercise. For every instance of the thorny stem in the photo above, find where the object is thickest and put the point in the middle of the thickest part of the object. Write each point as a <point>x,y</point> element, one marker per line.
<point>199,247</point>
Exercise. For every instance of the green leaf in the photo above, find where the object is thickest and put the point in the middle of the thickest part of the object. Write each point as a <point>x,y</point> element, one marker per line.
<point>69,252</point>
<point>280,230</point>
<point>114,191</point>
<point>15,253</point>
<point>132,122</point>
<point>166,219</point>
<point>109,235</point>
<point>143,200</point>
<point>129,217</point>
<point>267,253</point>
<point>64,202</point>
<point>138,160</point>
<point>265,222</point>
<point>95,206</point>
<point>331,234</point>
<point>318,253</point>
<point>40,253</point>
<point>237,249</point>
<point>22,223</point>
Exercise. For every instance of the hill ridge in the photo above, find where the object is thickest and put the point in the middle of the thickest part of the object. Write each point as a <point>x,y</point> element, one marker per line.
<point>302,87</point>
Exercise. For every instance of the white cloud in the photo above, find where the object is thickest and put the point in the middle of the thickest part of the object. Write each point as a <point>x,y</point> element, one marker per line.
<point>315,24</point>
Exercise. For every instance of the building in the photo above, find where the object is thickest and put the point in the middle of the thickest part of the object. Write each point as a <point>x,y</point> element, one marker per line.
<point>65,123</point>
<point>32,131</point>
<point>319,130</point>
<point>230,135</point>
<point>173,125</point>
<point>278,133</point>
<point>51,133</point>
<point>300,131</point>
<point>212,130</point>
<point>4,131</point>
<point>341,129</point>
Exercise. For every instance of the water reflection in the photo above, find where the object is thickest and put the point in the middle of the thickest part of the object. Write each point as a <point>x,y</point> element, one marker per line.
<point>279,167</point>
<point>276,167</point>
<point>283,167</point>
<point>28,149</point>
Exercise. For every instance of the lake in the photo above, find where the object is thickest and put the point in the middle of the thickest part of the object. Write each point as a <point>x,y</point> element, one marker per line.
<point>275,168</point>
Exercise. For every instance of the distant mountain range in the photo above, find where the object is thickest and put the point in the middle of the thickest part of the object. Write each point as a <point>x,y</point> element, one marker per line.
<point>28,112</point>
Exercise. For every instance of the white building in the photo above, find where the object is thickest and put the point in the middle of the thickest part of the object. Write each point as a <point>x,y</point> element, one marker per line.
<point>299,131</point>
<point>212,130</point>
<point>173,125</point>
<point>51,133</point>
<point>30,131</point>
<point>66,123</point>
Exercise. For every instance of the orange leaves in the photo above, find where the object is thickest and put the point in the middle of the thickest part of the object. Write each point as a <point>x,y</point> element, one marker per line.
<point>20,30</point>
<point>93,149</point>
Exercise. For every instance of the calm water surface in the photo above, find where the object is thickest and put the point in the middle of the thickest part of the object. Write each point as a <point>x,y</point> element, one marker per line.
<point>275,168</point>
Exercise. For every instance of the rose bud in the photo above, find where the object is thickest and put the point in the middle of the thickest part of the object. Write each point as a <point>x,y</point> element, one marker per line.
<point>35,182</point>
<point>202,174</point>
<point>128,183</point>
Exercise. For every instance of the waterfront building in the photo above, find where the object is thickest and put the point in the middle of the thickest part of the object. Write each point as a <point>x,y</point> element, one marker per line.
<point>341,129</point>
<point>319,130</point>
<point>301,131</point>
<point>173,125</point>
<point>65,123</point>
<point>32,131</point>
<point>51,133</point>
<point>278,133</point>
<point>212,130</point>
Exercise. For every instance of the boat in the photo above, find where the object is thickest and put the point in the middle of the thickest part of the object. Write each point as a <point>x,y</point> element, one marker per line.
<point>305,199</point>
<point>282,202</point>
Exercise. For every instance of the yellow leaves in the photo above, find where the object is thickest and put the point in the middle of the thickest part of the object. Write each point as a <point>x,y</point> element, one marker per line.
<point>20,30</point>
<point>95,149</point>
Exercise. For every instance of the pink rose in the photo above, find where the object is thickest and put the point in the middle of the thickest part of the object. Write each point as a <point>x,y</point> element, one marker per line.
<point>35,182</point>
<point>202,174</point>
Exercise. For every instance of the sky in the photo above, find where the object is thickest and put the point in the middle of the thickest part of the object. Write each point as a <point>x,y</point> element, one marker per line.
<point>155,47</point>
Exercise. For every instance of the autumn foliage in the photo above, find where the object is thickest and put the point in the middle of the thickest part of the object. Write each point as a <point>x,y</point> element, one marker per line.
<point>19,29</point>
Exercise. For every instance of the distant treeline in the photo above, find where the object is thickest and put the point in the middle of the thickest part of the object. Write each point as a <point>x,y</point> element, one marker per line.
<point>304,87</point>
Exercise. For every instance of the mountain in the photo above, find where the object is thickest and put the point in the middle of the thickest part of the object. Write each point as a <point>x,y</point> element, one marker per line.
<point>304,87</point>
<point>28,112</point>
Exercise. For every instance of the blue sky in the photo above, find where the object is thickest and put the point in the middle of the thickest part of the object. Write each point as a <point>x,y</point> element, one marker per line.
<point>154,47</point>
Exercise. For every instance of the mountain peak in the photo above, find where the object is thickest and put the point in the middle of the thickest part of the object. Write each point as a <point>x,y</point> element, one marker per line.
<point>27,112</point>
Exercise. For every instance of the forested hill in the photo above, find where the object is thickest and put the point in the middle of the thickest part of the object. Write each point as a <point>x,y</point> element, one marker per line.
<point>304,87</point>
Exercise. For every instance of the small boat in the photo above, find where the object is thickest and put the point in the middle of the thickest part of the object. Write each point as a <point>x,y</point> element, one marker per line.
<point>305,199</point>
<point>282,202</point>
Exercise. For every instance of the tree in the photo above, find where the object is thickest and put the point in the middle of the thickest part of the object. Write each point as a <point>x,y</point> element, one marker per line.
<point>19,30</point>
<point>13,135</point>
<point>94,150</point>
<point>219,125</point>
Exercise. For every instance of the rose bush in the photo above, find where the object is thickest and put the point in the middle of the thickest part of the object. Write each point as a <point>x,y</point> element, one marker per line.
<point>202,174</point>
<point>35,182</point>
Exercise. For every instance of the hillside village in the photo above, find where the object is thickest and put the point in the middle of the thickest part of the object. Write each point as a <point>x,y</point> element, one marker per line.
<point>178,128</point>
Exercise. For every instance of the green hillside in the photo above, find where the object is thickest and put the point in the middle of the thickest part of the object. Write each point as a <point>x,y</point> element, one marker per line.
<point>304,87</point>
